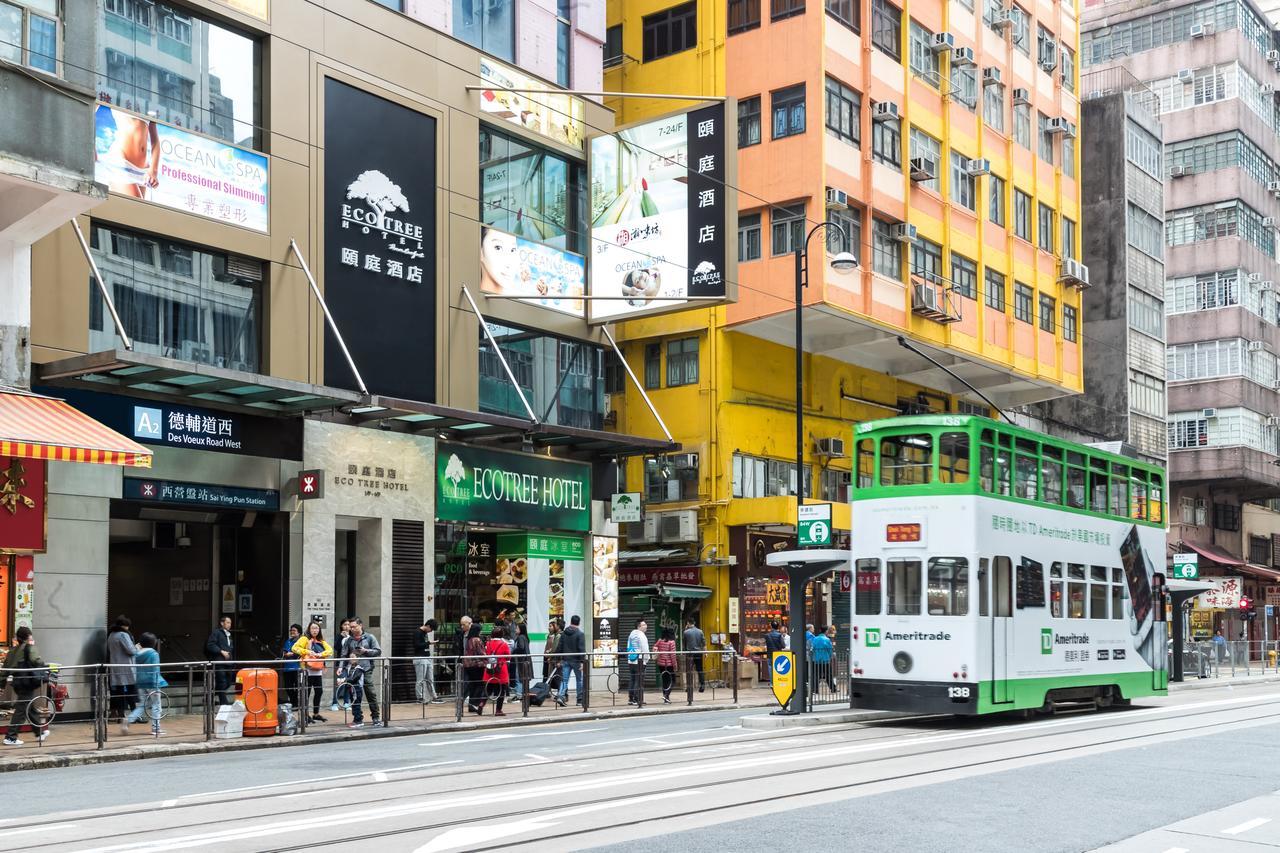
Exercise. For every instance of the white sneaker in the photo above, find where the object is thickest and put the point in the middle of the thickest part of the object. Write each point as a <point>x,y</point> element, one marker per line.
<point>334,707</point>
<point>12,741</point>
<point>124,728</point>
<point>44,735</point>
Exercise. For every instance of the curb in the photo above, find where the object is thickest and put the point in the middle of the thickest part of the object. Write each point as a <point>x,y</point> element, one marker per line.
<point>1241,681</point>
<point>135,753</point>
<point>766,722</point>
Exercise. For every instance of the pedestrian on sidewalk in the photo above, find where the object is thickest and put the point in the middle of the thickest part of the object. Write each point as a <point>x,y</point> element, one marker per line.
<point>571,651</point>
<point>424,641</point>
<point>520,663</point>
<point>313,650</point>
<point>666,649</point>
<point>637,661</point>
<point>774,642</point>
<point>496,675</point>
<point>695,643</point>
<point>831,670</point>
<point>122,677</point>
<point>220,648</point>
<point>150,683</point>
<point>28,674</point>
<point>550,663</point>
<point>820,648</point>
<point>363,647</point>
<point>343,633</point>
<point>473,662</point>
<point>292,669</point>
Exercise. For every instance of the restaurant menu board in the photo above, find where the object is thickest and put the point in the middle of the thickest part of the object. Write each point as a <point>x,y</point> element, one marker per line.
<point>604,600</point>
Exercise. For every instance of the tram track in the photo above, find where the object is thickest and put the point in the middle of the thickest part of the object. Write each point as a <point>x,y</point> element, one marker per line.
<point>400,804</point>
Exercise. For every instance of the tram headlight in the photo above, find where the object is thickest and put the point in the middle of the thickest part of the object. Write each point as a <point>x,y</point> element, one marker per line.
<point>902,663</point>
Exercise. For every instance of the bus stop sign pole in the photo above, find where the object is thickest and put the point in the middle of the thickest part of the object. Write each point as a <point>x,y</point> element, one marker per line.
<point>802,567</point>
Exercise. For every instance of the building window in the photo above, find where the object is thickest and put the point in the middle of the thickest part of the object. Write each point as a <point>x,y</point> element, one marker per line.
<point>923,60</point>
<point>613,46</point>
<point>1045,137</point>
<point>1021,29</point>
<point>925,147</point>
<point>1145,232</point>
<point>964,276</point>
<point>1068,323</point>
<point>786,8</point>
<point>788,228</point>
<point>682,362</point>
<point>788,111</point>
<point>1146,394</point>
<point>993,106</point>
<point>886,28</point>
<point>1068,156</point>
<point>846,12</point>
<point>743,15</point>
<point>158,63</point>
<point>1044,229</point>
<point>995,199</point>
<point>1226,516</point>
<point>1022,302</point>
<point>670,31</point>
<point>615,374</point>
<point>749,121</point>
<point>1021,214</point>
<point>177,300</point>
<point>844,112</point>
<point>1231,218</point>
<point>886,142</point>
<point>964,86</point>
<point>1067,68</point>
<point>489,26</point>
<point>995,285</point>
<point>926,260</point>
<point>28,37</point>
<point>1022,125</point>
<point>749,237</point>
<point>1144,149</point>
<point>671,478</point>
<point>850,221</point>
<point>1046,50</point>
<point>1260,550</point>
<point>564,42</point>
<point>1068,247</point>
<point>566,374</point>
<point>1146,313</point>
<point>532,192</point>
<point>1048,313</point>
<point>886,250</point>
<point>757,477</point>
<point>833,485</point>
<point>652,366</point>
<point>964,189</point>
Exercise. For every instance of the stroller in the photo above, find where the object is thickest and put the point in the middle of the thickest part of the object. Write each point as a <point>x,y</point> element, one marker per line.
<point>540,691</point>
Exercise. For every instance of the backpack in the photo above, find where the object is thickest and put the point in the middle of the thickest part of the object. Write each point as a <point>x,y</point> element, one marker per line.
<point>29,677</point>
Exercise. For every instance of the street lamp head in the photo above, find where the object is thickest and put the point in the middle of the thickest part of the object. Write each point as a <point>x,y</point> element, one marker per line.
<point>844,262</point>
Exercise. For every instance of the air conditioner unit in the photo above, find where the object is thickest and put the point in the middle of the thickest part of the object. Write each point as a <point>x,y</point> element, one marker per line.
<point>679,526</point>
<point>884,111</point>
<point>1273,55</point>
<point>1021,96</point>
<point>1273,420</point>
<point>1049,59</point>
<point>962,56</point>
<point>903,232</point>
<point>837,197</point>
<point>923,169</point>
<point>924,299</point>
<point>1276,65</point>
<point>643,532</point>
<point>978,167</point>
<point>991,76</point>
<point>1199,31</point>
<point>1275,385</point>
<point>1208,414</point>
<point>1268,221</point>
<point>943,42</point>
<point>1186,75</point>
<point>1267,89</point>
<point>830,447</point>
<point>1273,186</point>
<point>1254,346</point>
<point>1073,273</point>
<point>1267,285</point>
<point>1005,18</point>
<point>1177,171</point>
<point>1061,125</point>
<point>1253,277</point>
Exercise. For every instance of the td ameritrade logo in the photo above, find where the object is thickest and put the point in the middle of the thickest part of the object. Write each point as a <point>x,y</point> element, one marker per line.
<point>875,636</point>
<point>1048,639</point>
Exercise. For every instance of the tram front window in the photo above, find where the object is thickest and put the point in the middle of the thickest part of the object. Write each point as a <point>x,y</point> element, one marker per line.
<point>948,586</point>
<point>866,600</point>
<point>904,587</point>
<point>906,460</point>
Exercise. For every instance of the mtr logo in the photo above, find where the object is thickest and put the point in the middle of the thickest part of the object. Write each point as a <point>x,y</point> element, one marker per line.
<point>873,638</point>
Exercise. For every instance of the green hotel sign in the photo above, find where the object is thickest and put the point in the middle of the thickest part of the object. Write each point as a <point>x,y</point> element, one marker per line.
<point>476,484</point>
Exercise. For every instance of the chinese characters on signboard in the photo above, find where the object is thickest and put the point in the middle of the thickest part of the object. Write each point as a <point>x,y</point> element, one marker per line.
<point>1225,596</point>
<point>185,428</point>
<point>143,158</point>
<point>658,214</point>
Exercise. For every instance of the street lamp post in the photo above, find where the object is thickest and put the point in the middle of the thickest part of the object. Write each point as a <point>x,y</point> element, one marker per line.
<point>842,262</point>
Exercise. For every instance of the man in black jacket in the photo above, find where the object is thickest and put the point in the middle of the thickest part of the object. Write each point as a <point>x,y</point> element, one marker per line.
<point>773,642</point>
<point>218,648</point>
<point>572,651</point>
<point>425,683</point>
<point>695,641</point>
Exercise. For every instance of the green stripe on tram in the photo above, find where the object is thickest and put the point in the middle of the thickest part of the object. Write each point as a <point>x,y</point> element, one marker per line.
<point>1030,692</point>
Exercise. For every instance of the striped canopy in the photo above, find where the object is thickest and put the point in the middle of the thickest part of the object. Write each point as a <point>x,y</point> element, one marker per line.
<point>33,426</point>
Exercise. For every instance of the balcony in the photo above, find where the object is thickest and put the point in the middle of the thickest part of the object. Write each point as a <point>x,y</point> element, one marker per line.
<point>934,300</point>
<point>1250,473</point>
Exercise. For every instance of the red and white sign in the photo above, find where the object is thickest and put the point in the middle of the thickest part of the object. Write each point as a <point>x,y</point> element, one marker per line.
<point>650,575</point>
<point>310,485</point>
<point>846,582</point>
<point>1225,597</point>
<point>22,506</point>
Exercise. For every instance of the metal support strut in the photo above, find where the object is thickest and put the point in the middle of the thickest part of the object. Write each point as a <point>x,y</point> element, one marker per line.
<point>484,325</point>
<point>102,287</point>
<point>333,326</point>
<point>639,387</point>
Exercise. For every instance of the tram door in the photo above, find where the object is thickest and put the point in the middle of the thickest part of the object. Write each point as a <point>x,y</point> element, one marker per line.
<point>1001,628</point>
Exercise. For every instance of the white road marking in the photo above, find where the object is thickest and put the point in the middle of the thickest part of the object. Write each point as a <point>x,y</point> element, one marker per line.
<point>23,830</point>
<point>1246,826</point>
<point>379,776</point>
<point>509,736</point>
<point>310,779</point>
<point>1177,850</point>
<point>535,757</point>
<point>168,804</point>
<point>657,738</point>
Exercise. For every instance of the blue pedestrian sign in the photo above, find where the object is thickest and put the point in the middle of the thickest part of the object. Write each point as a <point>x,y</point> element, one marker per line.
<point>784,676</point>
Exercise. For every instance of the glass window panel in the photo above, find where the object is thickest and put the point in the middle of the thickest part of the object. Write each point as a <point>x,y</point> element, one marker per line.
<point>867,587</point>
<point>948,586</point>
<point>904,587</point>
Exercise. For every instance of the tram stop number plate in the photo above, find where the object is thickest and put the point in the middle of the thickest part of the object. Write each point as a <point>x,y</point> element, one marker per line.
<point>783,666</point>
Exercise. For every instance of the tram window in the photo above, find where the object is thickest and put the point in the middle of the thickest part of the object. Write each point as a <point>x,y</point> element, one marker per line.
<point>986,468</point>
<point>1051,479</point>
<point>1120,495</point>
<point>866,462</point>
<point>1055,590</point>
<point>948,586</point>
<point>866,599</point>
<point>1155,500</point>
<point>984,608</point>
<point>1002,587</point>
<point>1003,474</point>
<point>1117,576</point>
<point>1075,487</point>
<point>1098,600</point>
<point>1137,498</point>
<point>1098,574</point>
<point>953,457</point>
<point>1030,583</point>
<point>1075,600</point>
<point>1117,600</point>
<point>1075,571</point>
<point>1098,489</point>
<point>906,460</point>
<point>1025,480</point>
<point>904,587</point>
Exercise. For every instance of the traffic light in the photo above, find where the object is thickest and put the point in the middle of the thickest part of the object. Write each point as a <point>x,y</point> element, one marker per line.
<point>1247,613</point>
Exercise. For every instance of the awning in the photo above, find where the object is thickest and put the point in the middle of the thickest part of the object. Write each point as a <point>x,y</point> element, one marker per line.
<point>651,555</point>
<point>674,591</point>
<point>33,426</point>
<point>1214,553</point>
<point>1261,572</point>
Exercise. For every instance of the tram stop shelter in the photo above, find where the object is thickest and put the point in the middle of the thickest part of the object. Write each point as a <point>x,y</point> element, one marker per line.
<point>1180,592</point>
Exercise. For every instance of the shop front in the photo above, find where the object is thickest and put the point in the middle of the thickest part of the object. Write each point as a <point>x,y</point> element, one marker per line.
<point>664,596</point>
<point>513,540</point>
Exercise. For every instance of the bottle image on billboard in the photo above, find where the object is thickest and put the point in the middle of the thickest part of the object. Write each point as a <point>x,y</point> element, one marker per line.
<point>1137,575</point>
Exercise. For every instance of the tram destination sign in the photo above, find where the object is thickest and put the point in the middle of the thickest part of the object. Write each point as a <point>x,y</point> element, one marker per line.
<point>536,492</point>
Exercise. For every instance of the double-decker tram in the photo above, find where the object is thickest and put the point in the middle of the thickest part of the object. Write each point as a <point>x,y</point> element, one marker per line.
<point>998,569</point>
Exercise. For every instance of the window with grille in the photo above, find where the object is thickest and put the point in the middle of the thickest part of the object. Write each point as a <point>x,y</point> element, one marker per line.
<point>844,112</point>
<point>787,107</point>
<point>670,31</point>
<point>1068,323</point>
<point>1226,516</point>
<point>1048,313</point>
<point>682,362</point>
<point>886,28</point>
<point>653,366</point>
<point>749,234</point>
<point>964,276</point>
<point>788,228</point>
<point>846,12</point>
<point>749,122</point>
<point>994,286</point>
<point>780,9</point>
<point>1022,301</point>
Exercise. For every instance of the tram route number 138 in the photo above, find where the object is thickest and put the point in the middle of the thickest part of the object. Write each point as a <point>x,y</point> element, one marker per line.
<point>957,692</point>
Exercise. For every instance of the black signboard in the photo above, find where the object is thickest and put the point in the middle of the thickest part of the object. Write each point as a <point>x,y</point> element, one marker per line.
<point>379,243</point>
<point>200,494</point>
<point>707,240</point>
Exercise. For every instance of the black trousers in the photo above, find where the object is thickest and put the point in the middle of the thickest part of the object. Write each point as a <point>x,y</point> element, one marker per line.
<point>667,678</point>
<point>124,696</point>
<point>315,685</point>
<point>222,680</point>
<point>697,665</point>
<point>636,693</point>
<point>292,683</point>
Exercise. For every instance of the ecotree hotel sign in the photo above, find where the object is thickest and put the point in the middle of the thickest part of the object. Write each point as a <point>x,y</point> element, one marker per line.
<point>536,492</point>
